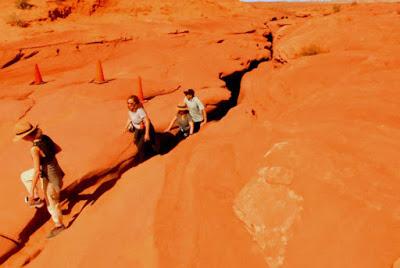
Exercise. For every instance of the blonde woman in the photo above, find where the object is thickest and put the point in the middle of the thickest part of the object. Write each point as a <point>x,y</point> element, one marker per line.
<point>141,126</point>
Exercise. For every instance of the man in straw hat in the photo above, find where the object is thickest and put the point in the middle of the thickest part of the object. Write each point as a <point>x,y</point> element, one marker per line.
<point>183,120</point>
<point>45,166</point>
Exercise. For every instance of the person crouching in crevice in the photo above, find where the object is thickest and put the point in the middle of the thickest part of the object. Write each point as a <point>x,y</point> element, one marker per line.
<point>143,130</point>
<point>46,168</point>
<point>184,122</point>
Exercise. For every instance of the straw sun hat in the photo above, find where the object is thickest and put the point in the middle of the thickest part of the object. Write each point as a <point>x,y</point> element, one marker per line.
<point>22,129</point>
<point>182,107</point>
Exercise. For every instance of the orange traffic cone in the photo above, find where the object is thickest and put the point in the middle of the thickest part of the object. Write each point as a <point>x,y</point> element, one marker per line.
<point>140,90</point>
<point>38,77</point>
<point>99,74</point>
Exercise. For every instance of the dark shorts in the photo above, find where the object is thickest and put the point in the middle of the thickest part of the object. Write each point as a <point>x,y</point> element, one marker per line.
<point>196,127</point>
<point>182,134</point>
<point>138,135</point>
<point>53,173</point>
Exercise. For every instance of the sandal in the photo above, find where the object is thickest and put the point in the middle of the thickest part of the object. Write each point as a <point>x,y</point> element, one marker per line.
<point>37,202</point>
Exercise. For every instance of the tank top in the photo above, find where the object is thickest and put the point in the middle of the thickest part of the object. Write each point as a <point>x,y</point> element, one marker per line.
<point>183,122</point>
<point>49,166</point>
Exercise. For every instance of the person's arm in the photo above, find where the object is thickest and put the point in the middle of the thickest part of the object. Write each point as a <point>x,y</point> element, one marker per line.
<point>202,109</point>
<point>127,124</point>
<point>145,118</point>
<point>36,171</point>
<point>147,129</point>
<point>170,124</point>
<point>191,125</point>
<point>204,116</point>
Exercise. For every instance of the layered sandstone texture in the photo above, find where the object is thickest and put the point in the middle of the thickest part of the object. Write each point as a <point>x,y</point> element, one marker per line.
<point>297,167</point>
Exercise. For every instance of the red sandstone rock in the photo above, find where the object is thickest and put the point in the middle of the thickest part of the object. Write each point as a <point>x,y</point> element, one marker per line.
<point>302,173</point>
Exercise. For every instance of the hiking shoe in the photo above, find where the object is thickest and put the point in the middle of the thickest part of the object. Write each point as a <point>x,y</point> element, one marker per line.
<point>37,202</point>
<point>56,230</point>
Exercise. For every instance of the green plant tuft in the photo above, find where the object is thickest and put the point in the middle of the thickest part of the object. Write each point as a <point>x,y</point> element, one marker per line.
<point>336,8</point>
<point>23,4</point>
<point>311,50</point>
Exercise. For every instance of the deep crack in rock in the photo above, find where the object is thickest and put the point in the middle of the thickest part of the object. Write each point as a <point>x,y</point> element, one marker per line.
<point>233,80</point>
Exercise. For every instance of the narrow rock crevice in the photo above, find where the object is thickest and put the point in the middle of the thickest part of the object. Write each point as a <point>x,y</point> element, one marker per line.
<point>19,56</point>
<point>233,80</point>
<point>12,251</point>
<point>14,60</point>
<point>8,254</point>
<point>30,55</point>
<point>270,39</point>
<point>245,32</point>
<point>17,97</point>
<point>27,110</point>
<point>9,238</point>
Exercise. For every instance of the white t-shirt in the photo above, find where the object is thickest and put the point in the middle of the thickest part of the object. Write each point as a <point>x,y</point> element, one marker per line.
<point>196,108</point>
<point>137,117</point>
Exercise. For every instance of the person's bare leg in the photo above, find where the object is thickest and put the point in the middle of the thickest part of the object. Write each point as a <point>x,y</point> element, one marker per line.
<point>52,196</point>
<point>26,178</point>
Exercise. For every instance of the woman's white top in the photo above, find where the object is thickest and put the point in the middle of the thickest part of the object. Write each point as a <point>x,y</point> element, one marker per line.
<point>137,117</point>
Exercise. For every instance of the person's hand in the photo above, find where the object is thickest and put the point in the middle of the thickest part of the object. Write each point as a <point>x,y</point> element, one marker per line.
<point>203,123</point>
<point>31,202</point>
<point>146,137</point>
<point>129,128</point>
<point>126,130</point>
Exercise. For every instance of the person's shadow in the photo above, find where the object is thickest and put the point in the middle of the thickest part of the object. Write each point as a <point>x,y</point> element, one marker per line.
<point>167,141</point>
<point>107,178</point>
